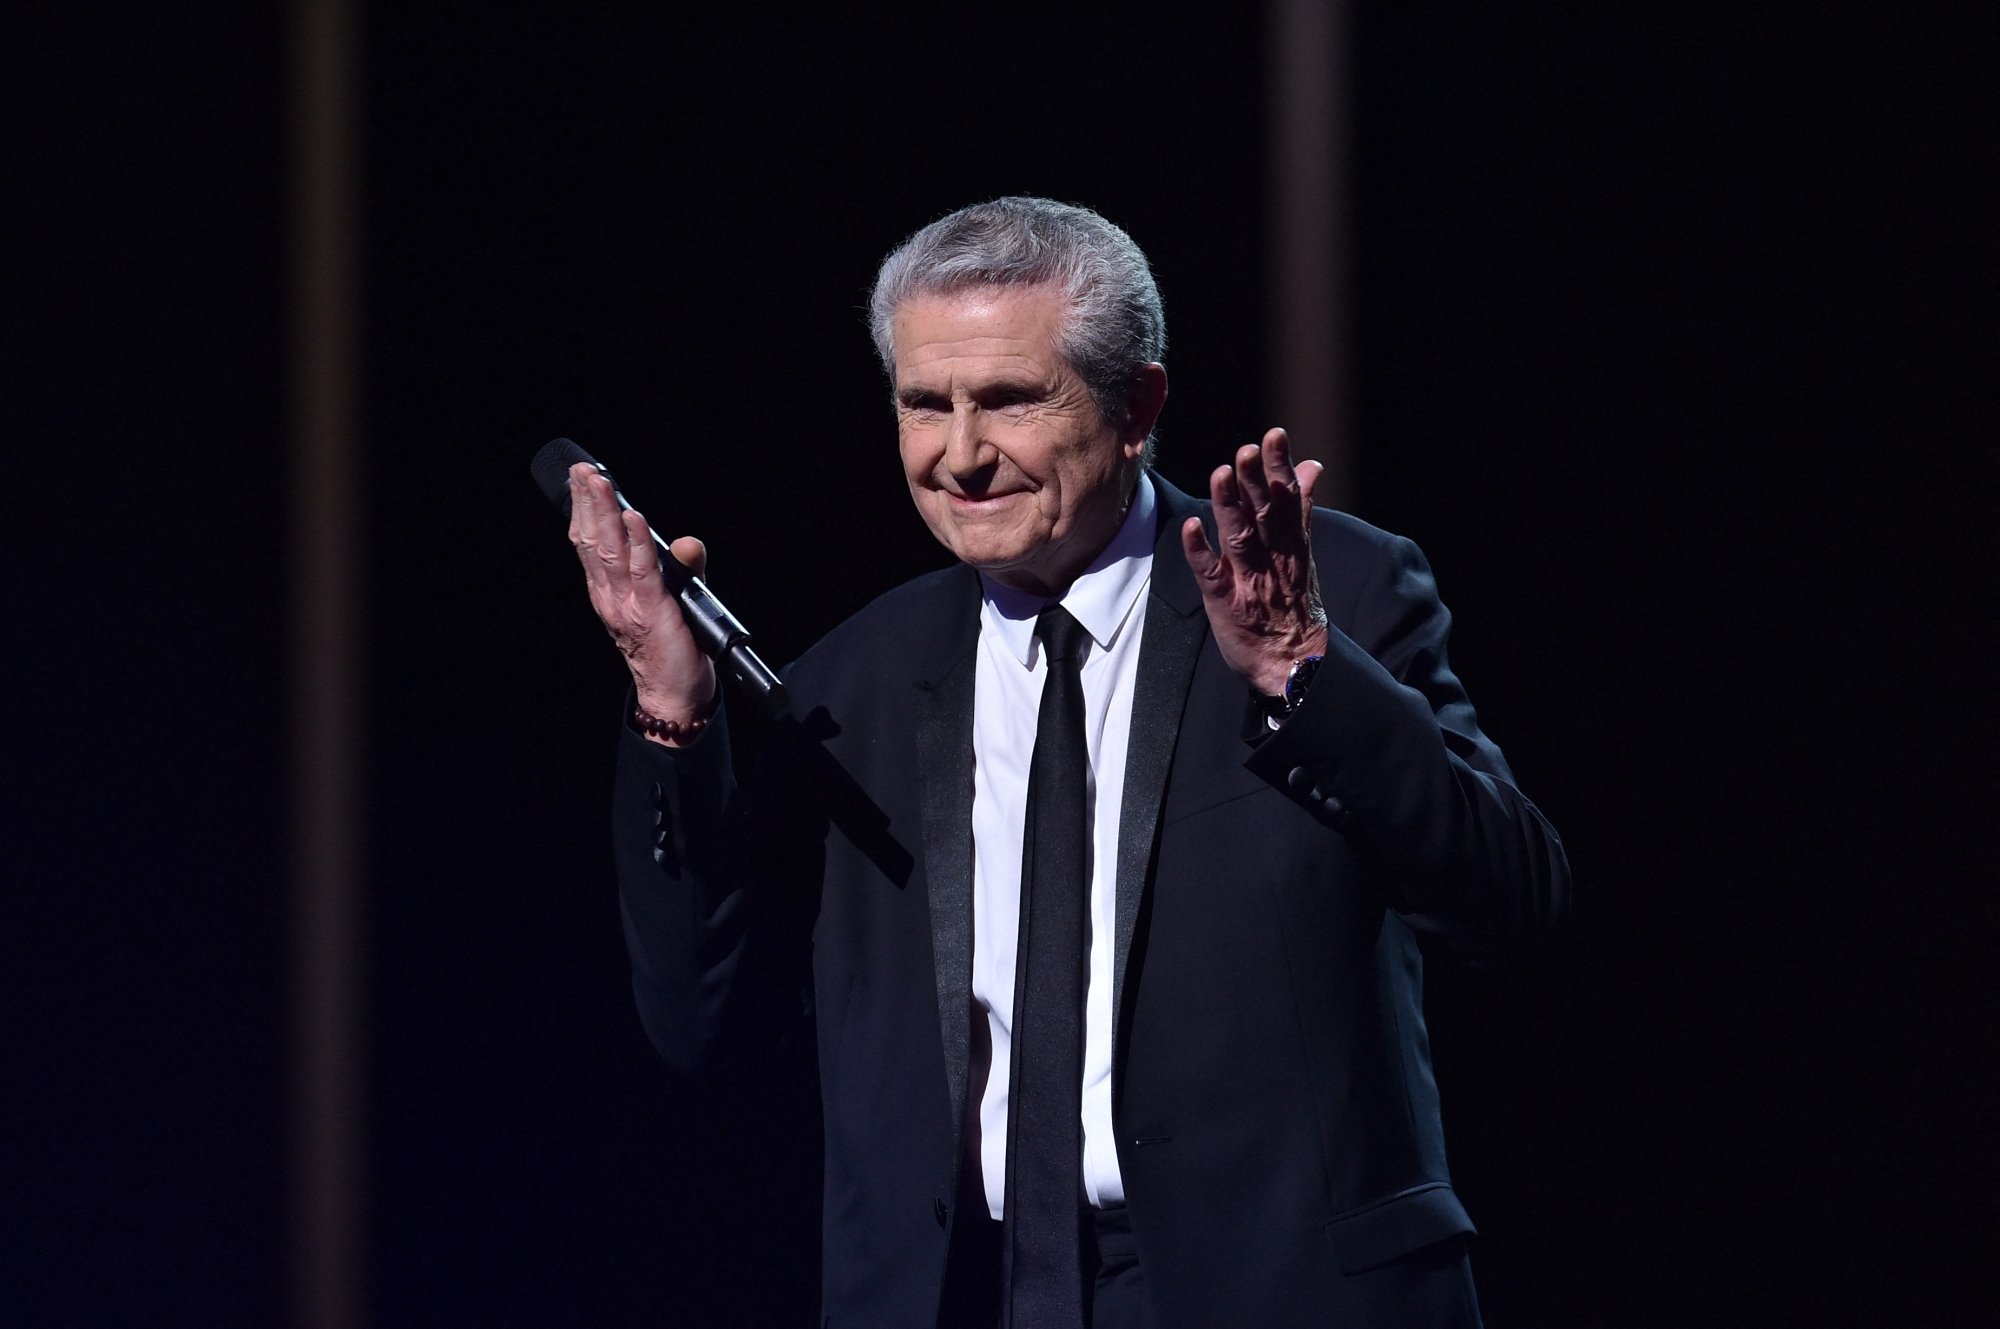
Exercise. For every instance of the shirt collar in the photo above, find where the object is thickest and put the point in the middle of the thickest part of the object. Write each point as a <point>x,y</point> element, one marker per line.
<point>1101,598</point>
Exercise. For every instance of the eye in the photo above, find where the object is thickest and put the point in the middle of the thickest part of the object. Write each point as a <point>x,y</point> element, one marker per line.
<point>921,403</point>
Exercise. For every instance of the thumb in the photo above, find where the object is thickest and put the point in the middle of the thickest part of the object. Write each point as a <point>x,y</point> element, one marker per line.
<point>1309,473</point>
<point>692,555</point>
<point>1207,565</point>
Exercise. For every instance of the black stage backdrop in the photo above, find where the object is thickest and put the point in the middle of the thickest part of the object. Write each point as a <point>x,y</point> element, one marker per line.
<point>1668,334</point>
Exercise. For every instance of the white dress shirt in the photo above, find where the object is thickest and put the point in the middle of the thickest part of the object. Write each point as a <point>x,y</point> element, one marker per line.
<point>1007,690</point>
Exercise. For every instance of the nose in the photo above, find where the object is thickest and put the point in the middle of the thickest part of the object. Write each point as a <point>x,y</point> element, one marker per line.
<point>967,451</point>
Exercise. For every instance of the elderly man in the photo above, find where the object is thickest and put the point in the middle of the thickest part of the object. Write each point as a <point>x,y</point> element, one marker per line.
<point>1103,857</point>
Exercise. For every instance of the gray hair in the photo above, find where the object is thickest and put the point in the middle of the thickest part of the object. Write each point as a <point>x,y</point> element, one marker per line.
<point>1113,325</point>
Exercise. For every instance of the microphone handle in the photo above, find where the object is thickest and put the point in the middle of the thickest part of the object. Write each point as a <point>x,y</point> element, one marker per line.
<point>720,634</point>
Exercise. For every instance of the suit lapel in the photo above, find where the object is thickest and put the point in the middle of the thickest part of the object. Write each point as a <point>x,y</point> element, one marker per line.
<point>1176,627</point>
<point>944,762</point>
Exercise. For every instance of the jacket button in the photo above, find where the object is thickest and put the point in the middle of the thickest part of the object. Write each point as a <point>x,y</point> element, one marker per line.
<point>1299,778</point>
<point>941,1211</point>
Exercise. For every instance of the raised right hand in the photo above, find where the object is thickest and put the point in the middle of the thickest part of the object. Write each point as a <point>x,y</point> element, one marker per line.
<point>672,677</point>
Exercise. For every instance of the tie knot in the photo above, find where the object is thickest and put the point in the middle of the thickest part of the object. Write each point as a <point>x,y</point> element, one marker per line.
<point>1062,637</point>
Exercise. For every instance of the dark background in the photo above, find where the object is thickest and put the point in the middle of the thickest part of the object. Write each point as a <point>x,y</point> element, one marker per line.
<point>1673,352</point>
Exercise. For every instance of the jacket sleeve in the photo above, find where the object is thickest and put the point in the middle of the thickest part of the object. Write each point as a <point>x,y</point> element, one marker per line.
<point>719,950</point>
<point>1385,747</point>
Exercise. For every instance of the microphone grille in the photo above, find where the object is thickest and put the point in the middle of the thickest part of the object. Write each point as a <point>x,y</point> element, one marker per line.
<point>551,469</point>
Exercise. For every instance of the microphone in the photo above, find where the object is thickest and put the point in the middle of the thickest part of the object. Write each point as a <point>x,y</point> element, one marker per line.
<point>721,637</point>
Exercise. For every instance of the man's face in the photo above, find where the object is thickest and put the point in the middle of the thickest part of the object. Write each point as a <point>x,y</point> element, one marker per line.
<point>1010,462</point>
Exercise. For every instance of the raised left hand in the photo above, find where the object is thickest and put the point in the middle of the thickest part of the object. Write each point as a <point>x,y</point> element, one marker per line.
<point>1259,589</point>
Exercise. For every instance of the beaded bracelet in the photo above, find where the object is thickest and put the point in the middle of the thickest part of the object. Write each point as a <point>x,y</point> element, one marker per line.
<point>675,730</point>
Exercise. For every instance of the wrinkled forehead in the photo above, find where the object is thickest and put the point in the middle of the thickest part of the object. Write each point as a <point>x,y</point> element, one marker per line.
<point>976,317</point>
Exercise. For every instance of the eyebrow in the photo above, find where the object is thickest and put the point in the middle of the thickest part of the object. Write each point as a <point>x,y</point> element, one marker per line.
<point>916,396</point>
<point>1024,388</point>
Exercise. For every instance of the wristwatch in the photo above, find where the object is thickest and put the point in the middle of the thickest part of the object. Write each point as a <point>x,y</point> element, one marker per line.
<point>1296,684</point>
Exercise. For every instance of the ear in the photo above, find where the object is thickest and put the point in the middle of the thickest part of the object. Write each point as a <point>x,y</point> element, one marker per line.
<point>1143,402</point>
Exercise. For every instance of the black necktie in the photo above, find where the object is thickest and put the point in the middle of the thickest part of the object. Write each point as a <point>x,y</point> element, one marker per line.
<point>1044,1203</point>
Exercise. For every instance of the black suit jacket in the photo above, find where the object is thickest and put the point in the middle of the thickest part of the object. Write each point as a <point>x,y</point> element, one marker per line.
<point>1277,1123</point>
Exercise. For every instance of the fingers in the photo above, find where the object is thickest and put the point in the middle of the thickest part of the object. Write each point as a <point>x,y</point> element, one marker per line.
<point>1272,487</point>
<point>1257,582</point>
<point>621,564</point>
<point>642,560</point>
<point>589,499</point>
<point>1235,520</point>
<point>615,545</point>
<point>595,527</point>
<point>647,588</point>
<point>1264,470</point>
<point>1262,509</point>
<point>1276,454</point>
<point>1251,478</point>
<point>1210,569</point>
